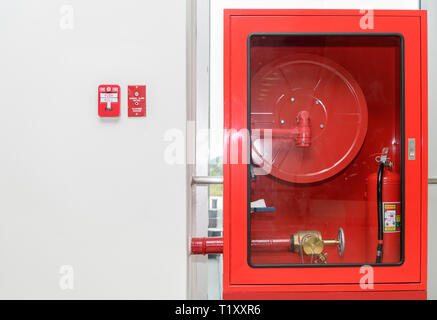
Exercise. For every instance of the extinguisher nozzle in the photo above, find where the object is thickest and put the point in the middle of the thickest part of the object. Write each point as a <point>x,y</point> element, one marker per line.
<point>379,253</point>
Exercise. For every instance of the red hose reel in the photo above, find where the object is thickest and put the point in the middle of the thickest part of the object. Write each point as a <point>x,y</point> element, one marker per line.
<point>331,100</point>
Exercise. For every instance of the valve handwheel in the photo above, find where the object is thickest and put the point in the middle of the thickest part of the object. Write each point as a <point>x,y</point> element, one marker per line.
<point>341,242</point>
<point>337,112</point>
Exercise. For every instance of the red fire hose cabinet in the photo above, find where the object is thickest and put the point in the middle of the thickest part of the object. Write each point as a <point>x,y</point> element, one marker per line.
<point>325,165</point>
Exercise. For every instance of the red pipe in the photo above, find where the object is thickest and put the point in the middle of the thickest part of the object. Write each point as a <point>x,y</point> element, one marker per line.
<point>301,134</point>
<point>206,245</point>
<point>215,245</point>
<point>270,245</point>
<point>303,137</point>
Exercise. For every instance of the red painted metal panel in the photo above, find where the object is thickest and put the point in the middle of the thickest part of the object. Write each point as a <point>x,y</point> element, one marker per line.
<point>331,295</point>
<point>136,103</point>
<point>403,281</point>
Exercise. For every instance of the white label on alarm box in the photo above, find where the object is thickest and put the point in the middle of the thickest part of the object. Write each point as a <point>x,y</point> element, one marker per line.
<point>108,97</point>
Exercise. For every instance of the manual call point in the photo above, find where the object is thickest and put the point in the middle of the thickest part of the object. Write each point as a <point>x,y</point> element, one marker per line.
<point>109,100</point>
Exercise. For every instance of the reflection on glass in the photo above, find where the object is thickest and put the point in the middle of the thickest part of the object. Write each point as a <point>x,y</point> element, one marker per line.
<point>325,121</point>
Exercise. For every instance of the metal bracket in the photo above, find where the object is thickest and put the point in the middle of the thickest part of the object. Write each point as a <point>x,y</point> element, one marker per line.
<point>411,149</point>
<point>432,180</point>
<point>383,158</point>
<point>206,180</point>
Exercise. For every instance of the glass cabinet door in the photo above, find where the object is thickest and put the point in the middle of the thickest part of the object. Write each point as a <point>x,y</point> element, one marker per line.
<point>325,115</point>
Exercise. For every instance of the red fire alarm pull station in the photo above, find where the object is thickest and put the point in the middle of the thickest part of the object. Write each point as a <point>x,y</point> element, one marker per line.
<point>109,100</point>
<point>136,101</point>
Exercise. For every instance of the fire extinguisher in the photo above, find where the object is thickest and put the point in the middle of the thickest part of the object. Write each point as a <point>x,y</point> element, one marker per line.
<point>384,213</point>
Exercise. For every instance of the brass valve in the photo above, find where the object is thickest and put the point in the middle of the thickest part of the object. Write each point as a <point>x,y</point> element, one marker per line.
<point>312,243</point>
<point>322,258</point>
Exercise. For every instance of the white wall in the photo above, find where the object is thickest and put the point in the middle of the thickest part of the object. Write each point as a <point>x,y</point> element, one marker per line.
<point>77,190</point>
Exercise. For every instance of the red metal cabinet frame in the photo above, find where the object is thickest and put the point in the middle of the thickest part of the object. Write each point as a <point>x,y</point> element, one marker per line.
<point>407,280</point>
